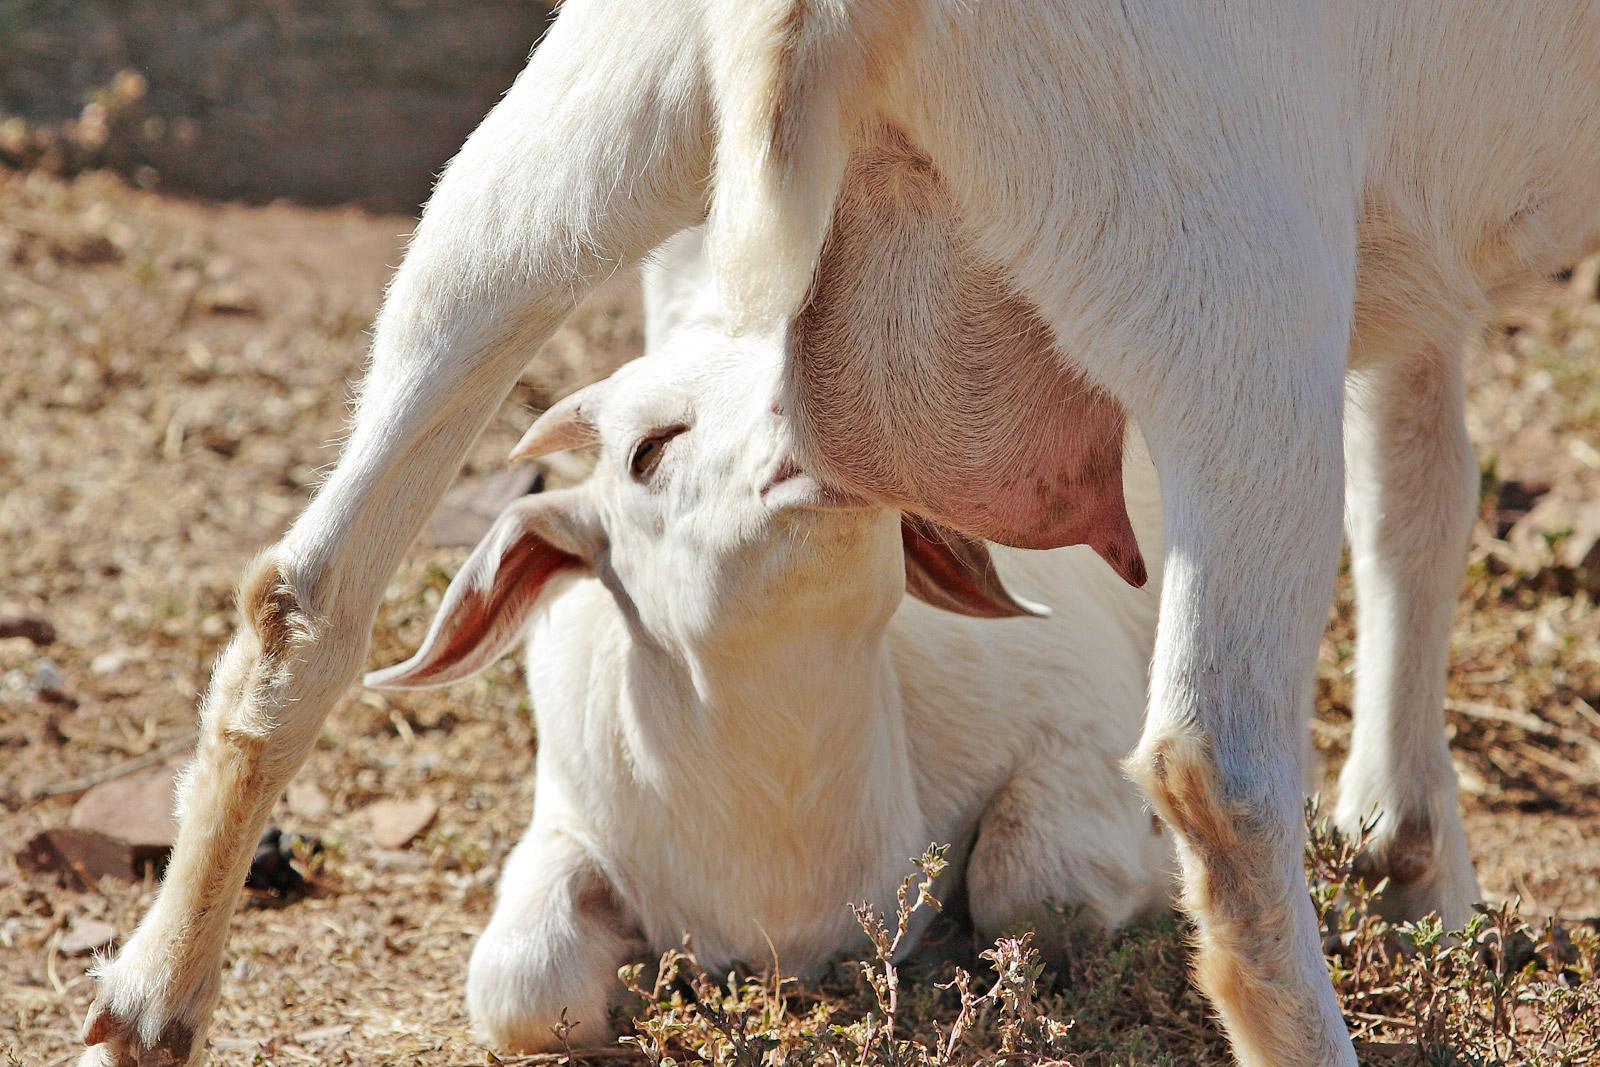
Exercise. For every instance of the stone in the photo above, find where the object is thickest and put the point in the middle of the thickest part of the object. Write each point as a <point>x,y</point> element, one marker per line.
<point>227,298</point>
<point>307,800</point>
<point>79,857</point>
<point>396,823</point>
<point>86,937</point>
<point>389,859</point>
<point>117,658</point>
<point>47,676</point>
<point>136,808</point>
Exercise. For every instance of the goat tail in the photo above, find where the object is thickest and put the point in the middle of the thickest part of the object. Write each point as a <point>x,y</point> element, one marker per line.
<point>794,81</point>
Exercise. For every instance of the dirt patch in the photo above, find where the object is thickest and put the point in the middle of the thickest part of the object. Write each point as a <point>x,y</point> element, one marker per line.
<point>170,377</point>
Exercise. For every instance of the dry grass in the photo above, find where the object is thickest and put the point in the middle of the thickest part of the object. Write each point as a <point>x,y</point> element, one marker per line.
<point>1501,991</point>
<point>170,374</point>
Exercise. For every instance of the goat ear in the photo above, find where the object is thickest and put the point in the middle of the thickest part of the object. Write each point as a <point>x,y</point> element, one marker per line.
<point>568,423</point>
<point>955,572</point>
<point>488,602</point>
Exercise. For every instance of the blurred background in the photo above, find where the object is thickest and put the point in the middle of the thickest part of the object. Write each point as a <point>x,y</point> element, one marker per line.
<point>200,204</point>
<point>355,102</point>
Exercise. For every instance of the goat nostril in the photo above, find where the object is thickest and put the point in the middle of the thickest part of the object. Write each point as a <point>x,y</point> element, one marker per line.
<point>777,408</point>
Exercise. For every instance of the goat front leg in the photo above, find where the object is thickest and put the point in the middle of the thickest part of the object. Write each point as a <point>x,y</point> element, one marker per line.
<point>551,951</point>
<point>1251,479</point>
<point>599,152</point>
<point>1411,498</point>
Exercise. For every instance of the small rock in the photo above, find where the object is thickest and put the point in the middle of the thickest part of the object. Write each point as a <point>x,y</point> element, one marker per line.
<point>13,687</point>
<point>86,249</point>
<point>86,937</point>
<point>226,298</point>
<point>308,801</point>
<point>47,676</point>
<point>79,857</point>
<point>113,661</point>
<point>136,808</point>
<point>35,629</point>
<point>395,823</point>
<point>389,859</point>
<point>1562,528</point>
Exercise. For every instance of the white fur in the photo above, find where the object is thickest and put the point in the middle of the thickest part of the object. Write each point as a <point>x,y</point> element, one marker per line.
<point>743,728</point>
<point>1220,209</point>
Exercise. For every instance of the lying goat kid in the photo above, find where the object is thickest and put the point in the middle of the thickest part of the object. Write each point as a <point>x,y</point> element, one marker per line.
<point>742,725</point>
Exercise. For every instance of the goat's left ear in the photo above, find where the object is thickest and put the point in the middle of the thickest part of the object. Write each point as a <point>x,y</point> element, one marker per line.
<point>955,572</point>
<point>488,603</point>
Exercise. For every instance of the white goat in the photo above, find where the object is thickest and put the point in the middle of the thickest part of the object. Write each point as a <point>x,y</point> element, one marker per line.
<point>985,234</point>
<point>742,727</point>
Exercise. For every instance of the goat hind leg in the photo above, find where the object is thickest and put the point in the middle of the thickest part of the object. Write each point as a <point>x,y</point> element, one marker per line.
<point>1066,843</point>
<point>1411,498</point>
<point>599,152</point>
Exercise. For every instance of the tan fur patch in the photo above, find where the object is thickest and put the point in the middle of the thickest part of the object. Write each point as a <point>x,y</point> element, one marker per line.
<point>274,610</point>
<point>1234,893</point>
<point>277,617</point>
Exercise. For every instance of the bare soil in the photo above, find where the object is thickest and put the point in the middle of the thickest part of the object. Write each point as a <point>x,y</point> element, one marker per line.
<point>172,375</point>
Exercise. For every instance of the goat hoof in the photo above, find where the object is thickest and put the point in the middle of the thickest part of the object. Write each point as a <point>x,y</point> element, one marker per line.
<point>114,1041</point>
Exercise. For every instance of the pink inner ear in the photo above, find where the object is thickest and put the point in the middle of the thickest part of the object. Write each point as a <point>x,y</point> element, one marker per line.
<point>487,605</point>
<point>952,571</point>
<point>479,622</point>
<point>918,377</point>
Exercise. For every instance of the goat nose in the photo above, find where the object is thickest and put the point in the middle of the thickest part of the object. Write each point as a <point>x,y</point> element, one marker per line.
<point>777,408</point>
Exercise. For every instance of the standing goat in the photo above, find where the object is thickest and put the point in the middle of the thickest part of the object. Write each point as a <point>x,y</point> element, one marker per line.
<point>742,727</point>
<point>986,234</point>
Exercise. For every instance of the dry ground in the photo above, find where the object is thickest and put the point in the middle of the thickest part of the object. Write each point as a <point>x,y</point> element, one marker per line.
<point>170,377</point>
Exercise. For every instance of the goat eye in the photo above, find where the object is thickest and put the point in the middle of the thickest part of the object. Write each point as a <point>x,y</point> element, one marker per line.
<point>648,452</point>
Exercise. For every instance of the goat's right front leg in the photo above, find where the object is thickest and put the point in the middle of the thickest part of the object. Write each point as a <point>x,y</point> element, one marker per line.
<point>599,152</point>
<point>1252,534</point>
<point>551,951</point>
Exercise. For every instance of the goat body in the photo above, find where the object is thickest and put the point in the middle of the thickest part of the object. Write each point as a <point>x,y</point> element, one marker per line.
<point>1260,229</point>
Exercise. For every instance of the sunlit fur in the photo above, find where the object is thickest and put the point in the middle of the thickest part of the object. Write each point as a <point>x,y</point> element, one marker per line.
<point>743,727</point>
<point>1219,209</point>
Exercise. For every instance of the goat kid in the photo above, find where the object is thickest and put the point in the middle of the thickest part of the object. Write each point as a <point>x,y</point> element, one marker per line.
<point>1262,229</point>
<point>743,728</point>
